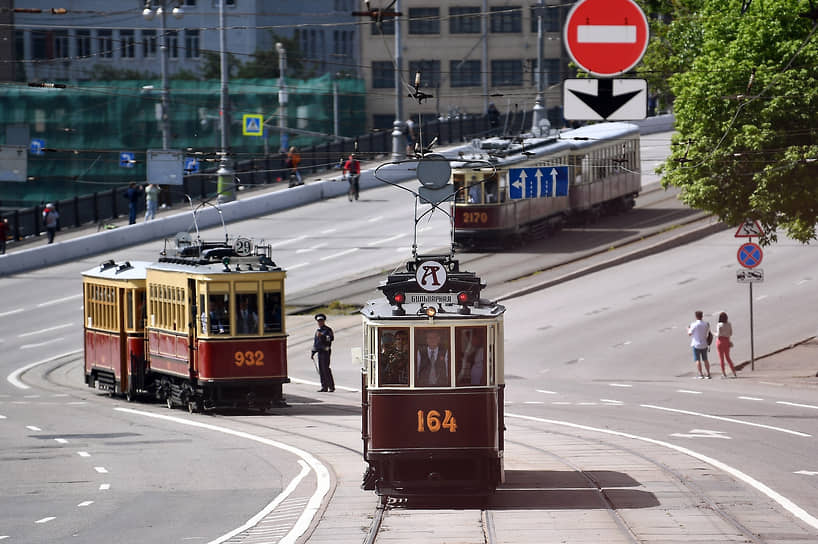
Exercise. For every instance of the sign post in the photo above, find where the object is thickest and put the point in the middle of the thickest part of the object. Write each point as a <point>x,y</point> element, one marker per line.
<point>749,256</point>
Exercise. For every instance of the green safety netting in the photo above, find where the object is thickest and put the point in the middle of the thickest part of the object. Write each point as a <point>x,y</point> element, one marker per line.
<point>86,126</point>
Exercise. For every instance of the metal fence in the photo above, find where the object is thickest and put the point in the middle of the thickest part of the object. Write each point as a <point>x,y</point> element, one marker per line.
<point>101,207</point>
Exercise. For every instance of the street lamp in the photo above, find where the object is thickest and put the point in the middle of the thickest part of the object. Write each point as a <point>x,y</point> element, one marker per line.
<point>148,13</point>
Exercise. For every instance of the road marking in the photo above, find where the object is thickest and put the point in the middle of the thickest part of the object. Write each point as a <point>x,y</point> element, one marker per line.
<point>299,265</point>
<point>545,391</point>
<point>33,428</point>
<point>3,417</point>
<point>49,329</point>
<point>328,231</point>
<point>729,419</point>
<point>373,219</point>
<point>104,487</point>
<point>46,520</point>
<point>533,402</point>
<point>52,341</point>
<point>345,252</point>
<point>385,240</point>
<point>61,441</point>
<point>313,248</point>
<point>620,385</point>
<point>785,403</point>
<point>786,503</point>
<point>611,401</point>
<point>807,472</point>
<point>561,403</point>
<point>11,312</point>
<point>101,470</point>
<point>688,391</point>
<point>307,462</point>
<point>85,503</point>
<point>751,398</point>
<point>83,454</point>
<point>57,300</point>
<point>287,241</point>
<point>702,433</point>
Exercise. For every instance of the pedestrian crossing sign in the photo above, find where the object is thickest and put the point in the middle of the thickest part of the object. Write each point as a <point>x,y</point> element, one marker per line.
<point>252,124</point>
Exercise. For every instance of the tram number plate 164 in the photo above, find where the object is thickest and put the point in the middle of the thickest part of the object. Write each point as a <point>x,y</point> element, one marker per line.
<point>432,421</point>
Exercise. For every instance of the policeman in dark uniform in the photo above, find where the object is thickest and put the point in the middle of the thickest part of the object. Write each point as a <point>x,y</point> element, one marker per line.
<point>322,345</point>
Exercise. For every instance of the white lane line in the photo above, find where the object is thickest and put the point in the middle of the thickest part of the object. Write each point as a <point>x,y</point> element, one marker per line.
<point>328,231</point>
<point>561,403</point>
<point>85,503</point>
<point>314,383</point>
<point>373,219</point>
<point>620,385</point>
<point>785,403</point>
<point>46,520</point>
<point>14,377</point>
<point>49,329</point>
<point>385,240</point>
<point>533,402</point>
<point>307,461</point>
<point>104,487</point>
<point>313,248</point>
<point>33,428</point>
<point>546,391</point>
<point>83,454</point>
<point>611,401</point>
<point>40,344</point>
<point>807,472</point>
<point>61,441</point>
<point>728,419</point>
<point>345,252</point>
<point>11,312</point>
<point>288,241</point>
<point>750,398</point>
<point>58,300</point>
<point>3,417</point>
<point>101,470</point>
<point>299,265</point>
<point>786,503</point>
<point>689,391</point>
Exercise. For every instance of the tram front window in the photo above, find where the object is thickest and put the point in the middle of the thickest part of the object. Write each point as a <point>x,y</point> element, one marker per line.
<point>432,357</point>
<point>470,348</point>
<point>272,312</point>
<point>393,361</point>
<point>219,319</point>
<point>246,314</point>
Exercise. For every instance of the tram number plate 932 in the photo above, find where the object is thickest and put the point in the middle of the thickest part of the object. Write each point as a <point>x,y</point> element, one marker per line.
<point>433,421</point>
<point>471,218</point>
<point>248,358</point>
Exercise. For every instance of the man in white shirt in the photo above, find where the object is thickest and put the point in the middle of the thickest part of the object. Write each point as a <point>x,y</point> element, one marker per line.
<point>698,341</point>
<point>433,361</point>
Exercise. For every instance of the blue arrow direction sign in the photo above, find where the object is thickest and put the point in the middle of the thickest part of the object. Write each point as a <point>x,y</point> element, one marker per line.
<point>545,181</point>
<point>555,181</point>
<point>37,146</point>
<point>191,165</point>
<point>127,159</point>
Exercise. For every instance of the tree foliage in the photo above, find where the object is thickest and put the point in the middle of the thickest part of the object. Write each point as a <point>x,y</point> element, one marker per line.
<point>744,77</point>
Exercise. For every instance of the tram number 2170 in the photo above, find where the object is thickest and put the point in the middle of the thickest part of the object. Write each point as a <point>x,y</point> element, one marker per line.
<point>432,421</point>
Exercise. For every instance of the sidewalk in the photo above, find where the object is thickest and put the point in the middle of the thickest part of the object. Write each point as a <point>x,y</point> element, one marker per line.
<point>792,366</point>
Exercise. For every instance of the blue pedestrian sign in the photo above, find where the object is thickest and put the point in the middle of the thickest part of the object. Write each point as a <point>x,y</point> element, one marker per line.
<point>543,181</point>
<point>253,124</point>
<point>37,147</point>
<point>127,159</point>
<point>191,165</point>
<point>750,255</point>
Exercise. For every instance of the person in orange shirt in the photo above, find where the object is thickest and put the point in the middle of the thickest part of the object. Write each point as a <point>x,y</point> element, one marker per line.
<point>293,160</point>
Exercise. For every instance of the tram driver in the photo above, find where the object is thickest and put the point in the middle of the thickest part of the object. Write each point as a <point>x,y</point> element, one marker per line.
<point>394,361</point>
<point>432,361</point>
<point>217,316</point>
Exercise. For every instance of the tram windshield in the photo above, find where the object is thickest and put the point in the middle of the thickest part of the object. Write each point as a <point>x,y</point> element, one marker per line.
<point>394,356</point>
<point>272,312</point>
<point>218,318</point>
<point>246,314</point>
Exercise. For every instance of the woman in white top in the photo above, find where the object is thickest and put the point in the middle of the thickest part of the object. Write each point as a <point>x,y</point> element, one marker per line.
<point>724,331</point>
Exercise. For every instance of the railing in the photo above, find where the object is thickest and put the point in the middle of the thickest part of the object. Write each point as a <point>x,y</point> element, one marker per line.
<point>106,205</point>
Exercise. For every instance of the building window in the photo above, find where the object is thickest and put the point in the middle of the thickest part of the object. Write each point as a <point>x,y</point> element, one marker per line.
<point>550,21</point>
<point>192,44</point>
<point>313,49</point>
<point>464,20</point>
<point>39,45</point>
<point>507,20</point>
<point>424,21</point>
<point>148,43</point>
<point>429,72</point>
<point>173,44</point>
<point>342,45</point>
<point>19,44</point>
<point>506,73</point>
<point>385,27</point>
<point>464,73</point>
<point>383,75</point>
<point>83,38</point>
<point>383,121</point>
<point>552,71</point>
<point>105,44</point>
<point>61,44</point>
<point>126,38</point>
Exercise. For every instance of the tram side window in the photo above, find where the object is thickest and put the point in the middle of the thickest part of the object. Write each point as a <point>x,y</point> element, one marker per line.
<point>393,360</point>
<point>470,350</point>
<point>432,357</point>
<point>476,193</point>
<point>217,313</point>
<point>246,314</point>
<point>491,189</point>
<point>272,312</point>
<point>459,181</point>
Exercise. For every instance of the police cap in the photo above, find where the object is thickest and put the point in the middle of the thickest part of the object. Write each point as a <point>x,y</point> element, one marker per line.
<point>320,317</point>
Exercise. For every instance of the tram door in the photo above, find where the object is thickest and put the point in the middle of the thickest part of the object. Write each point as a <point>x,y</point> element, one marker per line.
<point>193,337</point>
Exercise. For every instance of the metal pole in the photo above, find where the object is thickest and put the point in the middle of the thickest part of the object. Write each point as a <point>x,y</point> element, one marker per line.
<point>163,68</point>
<point>484,29</point>
<point>335,116</point>
<point>398,140</point>
<point>752,346</point>
<point>283,97</point>
<point>224,176</point>
<point>539,102</point>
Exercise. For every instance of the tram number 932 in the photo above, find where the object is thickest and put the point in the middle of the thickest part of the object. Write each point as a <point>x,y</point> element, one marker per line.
<point>470,218</point>
<point>248,358</point>
<point>432,421</point>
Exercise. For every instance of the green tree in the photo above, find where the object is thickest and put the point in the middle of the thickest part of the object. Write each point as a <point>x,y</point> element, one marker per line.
<point>745,79</point>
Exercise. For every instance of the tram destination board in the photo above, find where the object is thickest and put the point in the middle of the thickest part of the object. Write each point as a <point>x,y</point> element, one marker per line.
<point>431,298</point>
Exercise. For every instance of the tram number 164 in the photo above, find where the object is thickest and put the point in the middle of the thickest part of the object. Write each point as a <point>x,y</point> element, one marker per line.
<point>431,420</point>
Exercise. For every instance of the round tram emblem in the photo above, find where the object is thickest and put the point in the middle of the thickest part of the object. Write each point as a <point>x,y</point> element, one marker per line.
<point>431,275</point>
<point>243,247</point>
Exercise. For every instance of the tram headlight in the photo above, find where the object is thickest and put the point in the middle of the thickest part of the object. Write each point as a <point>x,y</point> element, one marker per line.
<point>431,311</point>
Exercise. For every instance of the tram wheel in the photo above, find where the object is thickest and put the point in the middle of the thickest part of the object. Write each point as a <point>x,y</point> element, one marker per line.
<point>169,402</point>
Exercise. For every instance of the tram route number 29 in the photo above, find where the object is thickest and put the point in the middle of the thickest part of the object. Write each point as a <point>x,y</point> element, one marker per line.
<point>470,218</point>
<point>432,421</point>
<point>248,358</point>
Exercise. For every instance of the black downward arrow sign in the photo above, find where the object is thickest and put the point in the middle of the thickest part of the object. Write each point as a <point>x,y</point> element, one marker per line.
<point>604,103</point>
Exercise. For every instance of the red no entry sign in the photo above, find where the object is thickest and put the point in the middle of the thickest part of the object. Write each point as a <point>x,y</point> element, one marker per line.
<point>606,37</point>
<point>749,255</point>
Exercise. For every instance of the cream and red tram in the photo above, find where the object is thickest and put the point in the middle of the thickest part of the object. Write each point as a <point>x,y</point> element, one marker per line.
<point>211,322</point>
<point>601,167</point>
<point>433,383</point>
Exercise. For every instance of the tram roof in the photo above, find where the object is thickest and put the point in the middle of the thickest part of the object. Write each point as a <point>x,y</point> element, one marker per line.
<point>589,135</point>
<point>235,266</point>
<point>381,309</point>
<point>124,271</point>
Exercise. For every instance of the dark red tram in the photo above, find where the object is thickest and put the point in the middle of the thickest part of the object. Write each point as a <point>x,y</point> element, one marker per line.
<point>433,384</point>
<point>203,328</point>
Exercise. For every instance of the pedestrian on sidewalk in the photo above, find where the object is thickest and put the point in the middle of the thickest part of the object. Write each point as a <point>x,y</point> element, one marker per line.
<point>132,196</point>
<point>322,345</point>
<point>151,201</point>
<point>724,332</point>
<point>4,234</point>
<point>698,331</point>
<point>50,217</point>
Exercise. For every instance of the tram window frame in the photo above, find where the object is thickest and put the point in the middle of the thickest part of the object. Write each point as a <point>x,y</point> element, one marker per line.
<point>272,311</point>
<point>246,291</point>
<point>465,335</point>
<point>129,309</point>
<point>224,322</point>
<point>419,374</point>
<point>386,353</point>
